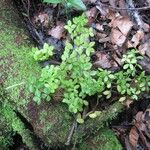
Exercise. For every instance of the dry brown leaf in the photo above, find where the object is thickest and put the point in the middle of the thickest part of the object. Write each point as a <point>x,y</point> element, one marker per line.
<point>144,49</point>
<point>138,116</point>
<point>43,18</point>
<point>146,27</point>
<point>136,39</point>
<point>58,31</point>
<point>129,44</point>
<point>117,37</point>
<point>103,10</point>
<point>133,137</point>
<point>146,115</point>
<point>122,4</point>
<point>102,61</point>
<point>99,27</point>
<point>104,40</point>
<point>91,14</point>
<point>123,24</point>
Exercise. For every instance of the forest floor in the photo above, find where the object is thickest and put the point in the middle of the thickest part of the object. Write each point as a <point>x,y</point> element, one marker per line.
<point>118,26</point>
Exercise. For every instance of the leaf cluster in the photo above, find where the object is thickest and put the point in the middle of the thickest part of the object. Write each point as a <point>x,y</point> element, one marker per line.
<point>77,78</point>
<point>43,54</point>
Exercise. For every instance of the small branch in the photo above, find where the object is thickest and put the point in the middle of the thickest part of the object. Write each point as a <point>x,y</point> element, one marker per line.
<point>119,8</point>
<point>135,14</point>
<point>15,85</point>
<point>73,128</point>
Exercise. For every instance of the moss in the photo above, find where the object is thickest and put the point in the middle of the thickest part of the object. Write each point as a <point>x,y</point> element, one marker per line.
<point>18,126</point>
<point>5,132</point>
<point>17,64</point>
<point>92,126</point>
<point>14,123</point>
<point>104,140</point>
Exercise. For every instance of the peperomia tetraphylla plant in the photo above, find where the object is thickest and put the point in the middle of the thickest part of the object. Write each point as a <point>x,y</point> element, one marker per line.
<point>77,78</point>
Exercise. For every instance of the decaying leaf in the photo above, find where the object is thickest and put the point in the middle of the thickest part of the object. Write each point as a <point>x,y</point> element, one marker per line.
<point>117,37</point>
<point>144,49</point>
<point>137,38</point>
<point>58,31</point>
<point>124,24</point>
<point>102,60</point>
<point>91,14</point>
<point>42,18</point>
<point>133,137</point>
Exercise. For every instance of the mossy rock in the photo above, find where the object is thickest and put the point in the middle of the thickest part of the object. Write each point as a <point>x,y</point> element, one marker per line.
<point>51,121</point>
<point>105,139</point>
<point>6,139</point>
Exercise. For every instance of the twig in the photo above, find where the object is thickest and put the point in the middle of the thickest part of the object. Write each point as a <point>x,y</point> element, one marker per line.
<point>38,37</point>
<point>73,128</point>
<point>119,8</point>
<point>135,14</point>
<point>15,85</point>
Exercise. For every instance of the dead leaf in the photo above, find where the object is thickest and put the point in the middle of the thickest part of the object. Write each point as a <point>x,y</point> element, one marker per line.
<point>138,116</point>
<point>104,40</point>
<point>144,49</point>
<point>117,37</point>
<point>99,27</point>
<point>91,14</point>
<point>103,10</point>
<point>136,39</point>
<point>146,27</point>
<point>102,60</point>
<point>123,24</point>
<point>145,63</point>
<point>133,137</point>
<point>42,18</point>
<point>58,31</point>
<point>122,4</point>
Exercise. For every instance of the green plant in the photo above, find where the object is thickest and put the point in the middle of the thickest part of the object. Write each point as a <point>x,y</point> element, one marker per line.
<point>78,80</point>
<point>78,4</point>
<point>44,53</point>
<point>130,81</point>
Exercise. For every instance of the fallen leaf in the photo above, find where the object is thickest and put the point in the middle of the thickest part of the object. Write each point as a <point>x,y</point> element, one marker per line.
<point>91,14</point>
<point>145,63</point>
<point>99,27</point>
<point>146,27</point>
<point>133,137</point>
<point>123,24</point>
<point>103,40</point>
<point>58,31</point>
<point>136,39</point>
<point>42,18</point>
<point>117,37</point>
<point>102,60</point>
<point>103,10</point>
<point>144,49</point>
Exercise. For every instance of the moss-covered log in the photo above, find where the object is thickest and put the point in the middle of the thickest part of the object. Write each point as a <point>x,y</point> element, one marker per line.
<point>51,121</point>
